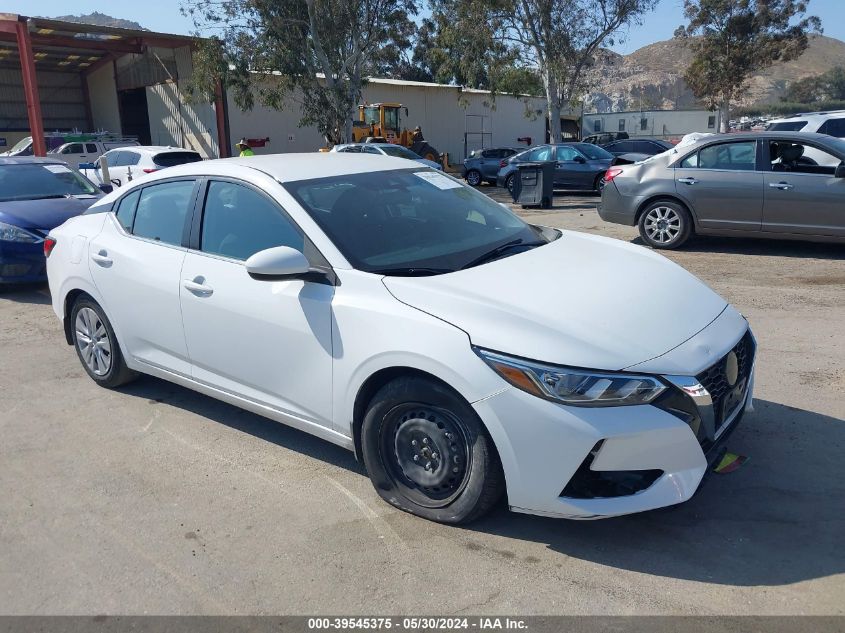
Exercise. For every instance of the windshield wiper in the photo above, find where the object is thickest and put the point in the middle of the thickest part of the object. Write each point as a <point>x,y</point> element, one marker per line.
<point>501,250</point>
<point>411,271</point>
<point>46,197</point>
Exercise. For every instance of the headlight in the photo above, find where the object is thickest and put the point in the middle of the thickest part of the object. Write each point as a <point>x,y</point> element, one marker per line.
<point>11,233</point>
<point>576,387</point>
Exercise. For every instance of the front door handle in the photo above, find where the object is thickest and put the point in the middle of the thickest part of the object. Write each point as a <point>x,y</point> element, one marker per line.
<point>197,286</point>
<point>102,258</point>
<point>783,186</point>
<point>687,181</point>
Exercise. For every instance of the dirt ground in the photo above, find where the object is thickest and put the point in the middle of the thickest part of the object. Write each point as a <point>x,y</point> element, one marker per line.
<point>156,500</point>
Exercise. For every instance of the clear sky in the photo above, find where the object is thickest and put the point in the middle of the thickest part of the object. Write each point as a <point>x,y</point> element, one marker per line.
<point>164,16</point>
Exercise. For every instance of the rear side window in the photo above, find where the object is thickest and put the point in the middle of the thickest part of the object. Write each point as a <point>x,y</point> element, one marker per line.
<point>162,211</point>
<point>91,148</point>
<point>73,148</point>
<point>833,127</point>
<point>126,210</point>
<point>787,126</point>
<point>727,156</point>
<point>239,222</point>
<point>112,158</point>
<point>171,159</point>
<point>128,158</point>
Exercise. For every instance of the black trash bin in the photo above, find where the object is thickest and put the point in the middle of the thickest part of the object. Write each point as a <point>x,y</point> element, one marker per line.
<point>534,184</point>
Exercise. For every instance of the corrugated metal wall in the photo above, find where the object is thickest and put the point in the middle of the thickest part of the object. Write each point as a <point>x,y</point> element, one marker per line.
<point>62,101</point>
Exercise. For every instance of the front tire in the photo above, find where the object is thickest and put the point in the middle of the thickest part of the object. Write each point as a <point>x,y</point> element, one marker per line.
<point>97,346</point>
<point>665,224</point>
<point>428,453</point>
<point>473,177</point>
<point>509,184</point>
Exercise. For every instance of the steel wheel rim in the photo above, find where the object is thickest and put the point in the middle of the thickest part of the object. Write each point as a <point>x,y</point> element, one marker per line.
<point>92,341</point>
<point>474,178</point>
<point>663,225</point>
<point>426,454</point>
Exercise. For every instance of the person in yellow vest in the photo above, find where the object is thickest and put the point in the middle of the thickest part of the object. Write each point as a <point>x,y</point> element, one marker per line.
<point>244,148</point>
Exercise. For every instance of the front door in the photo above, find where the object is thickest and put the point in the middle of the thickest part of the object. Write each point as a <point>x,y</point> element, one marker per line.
<point>802,195</point>
<point>136,262</point>
<point>267,341</point>
<point>723,186</point>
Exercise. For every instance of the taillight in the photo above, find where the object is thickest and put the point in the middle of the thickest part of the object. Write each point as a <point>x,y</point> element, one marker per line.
<point>612,173</point>
<point>49,245</point>
<point>504,163</point>
<point>149,170</point>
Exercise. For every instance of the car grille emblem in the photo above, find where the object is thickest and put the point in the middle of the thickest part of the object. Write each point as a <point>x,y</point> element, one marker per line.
<point>731,368</point>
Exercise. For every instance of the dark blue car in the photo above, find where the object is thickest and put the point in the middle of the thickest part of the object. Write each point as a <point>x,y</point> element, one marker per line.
<point>36,195</point>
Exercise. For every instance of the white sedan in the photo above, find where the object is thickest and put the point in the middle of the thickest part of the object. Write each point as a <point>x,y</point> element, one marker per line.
<point>393,310</point>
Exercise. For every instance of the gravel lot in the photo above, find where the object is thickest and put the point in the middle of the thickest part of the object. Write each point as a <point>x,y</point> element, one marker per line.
<point>157,500</point>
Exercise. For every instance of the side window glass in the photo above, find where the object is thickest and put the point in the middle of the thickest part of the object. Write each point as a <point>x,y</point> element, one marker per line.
<point>833,127</point>
<point>162,211</point>
<point>126,210</point>
<point>239,222</point>
<point>73,148</point>
<point>801,159</point>
<point>112,158</point>
<point>729,156</point>
<point>370,150</point>
<point>690,161</point>
<point>91,148</point>
<point>127,158</point>
<point>566,153</point>
<point>541,153</point>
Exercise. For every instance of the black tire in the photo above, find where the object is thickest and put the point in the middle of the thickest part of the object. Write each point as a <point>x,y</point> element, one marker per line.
<point>509,183</point>
<point>117,373</point>
<point>665,224</point>
<point>473,177</point>
<point>598,184</point>
<point>428,453</point>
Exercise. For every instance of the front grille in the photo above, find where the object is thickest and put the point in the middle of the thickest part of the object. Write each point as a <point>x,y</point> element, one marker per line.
<point>715,379</point>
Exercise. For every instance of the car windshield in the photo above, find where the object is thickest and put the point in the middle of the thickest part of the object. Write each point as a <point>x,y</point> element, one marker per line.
<point>34,181</point>
<point>411,221</point>
<point>593,152</point>
<point>399,152</point>
<point>21,144</point>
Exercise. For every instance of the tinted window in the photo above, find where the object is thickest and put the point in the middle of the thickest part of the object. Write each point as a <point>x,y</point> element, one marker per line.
<point>171,159</point>
<point>369,150</point>
<point>162,210</point>
<point>355,149</point>
<point>834,127</point>
<point>566,152</point>
<point>91,148</point>
<point>787,126</point>
<point>239,222</point>
<point>126,210</point>
<point>541,153</point>
<point>490,153</point>
<point>73,148</point>
<point>730,156</point>
<point>508,152</point>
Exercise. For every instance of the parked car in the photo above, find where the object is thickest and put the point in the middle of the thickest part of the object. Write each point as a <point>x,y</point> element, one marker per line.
<point>400,313</point>
<point>482,165</point>
<point>386,149</point>
<point>831,123</point>
<point>580,166</point>
<point>603,138</point>
<point>36,195</point>
<point>77,152</point>
<point>642,146</point>
<point>758,184</point>
<point>127,163</point>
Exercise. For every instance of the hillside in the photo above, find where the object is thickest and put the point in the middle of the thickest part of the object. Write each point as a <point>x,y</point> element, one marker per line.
<point>100,19</point>
<point>652,76</point>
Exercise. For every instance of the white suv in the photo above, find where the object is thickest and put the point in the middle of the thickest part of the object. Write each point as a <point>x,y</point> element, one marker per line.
<point>830,123</point>
<point>128,163</point>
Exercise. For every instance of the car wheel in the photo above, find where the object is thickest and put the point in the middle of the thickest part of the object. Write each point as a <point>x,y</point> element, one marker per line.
<point>474,177</point>
<point>665,224</point>
<point>96,345</point>
<point>509,183</point>
<point>428,453</point>
<point>598,184</point>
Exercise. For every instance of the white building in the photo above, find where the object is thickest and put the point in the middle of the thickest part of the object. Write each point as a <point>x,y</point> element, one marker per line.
<point>666,124</point>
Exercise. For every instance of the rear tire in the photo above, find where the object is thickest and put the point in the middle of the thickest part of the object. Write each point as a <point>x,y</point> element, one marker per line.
<point>509,184</point>
<point>665,224</point>
<point>428,453</point>
<point>473,177</point>
<point>96,345</point>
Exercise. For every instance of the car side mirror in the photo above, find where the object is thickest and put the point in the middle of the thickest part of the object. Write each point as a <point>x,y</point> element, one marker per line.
<point>106,188</point>
<point>277,263</point>
<point>580,159</point>
<point>87,166</point>
<point>840,171</point>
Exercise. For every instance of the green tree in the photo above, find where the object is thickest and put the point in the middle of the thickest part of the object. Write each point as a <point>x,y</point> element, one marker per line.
<point>312,54</point>
<point>829,86</point>
<point>732,39</point>
<point>557,38</point>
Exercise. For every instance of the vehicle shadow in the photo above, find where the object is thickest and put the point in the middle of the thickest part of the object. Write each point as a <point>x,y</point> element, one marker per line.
<point>157,391</point>
<point>780,519</point>
<point>752,246</point>
<point>37,294</point>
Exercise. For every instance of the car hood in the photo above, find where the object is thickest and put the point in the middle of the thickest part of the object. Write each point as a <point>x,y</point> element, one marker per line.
<point>44,214</point>
<point>582,300</point>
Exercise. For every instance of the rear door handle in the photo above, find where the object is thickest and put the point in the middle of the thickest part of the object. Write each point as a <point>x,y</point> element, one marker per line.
<point>197,286</point>
<point>687,181</point>
<point>783,186</point>
<point>102,258</point>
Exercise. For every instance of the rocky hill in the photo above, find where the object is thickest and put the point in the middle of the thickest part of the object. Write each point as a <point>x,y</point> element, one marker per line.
<point>101,19</point>
<point>652,76</point>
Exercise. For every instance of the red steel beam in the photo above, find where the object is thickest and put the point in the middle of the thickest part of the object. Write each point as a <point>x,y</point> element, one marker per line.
<point>30,89</point>
<point>219,109</point>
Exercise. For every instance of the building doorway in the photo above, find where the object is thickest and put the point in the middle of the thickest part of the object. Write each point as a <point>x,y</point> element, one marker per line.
<point>134,117</point>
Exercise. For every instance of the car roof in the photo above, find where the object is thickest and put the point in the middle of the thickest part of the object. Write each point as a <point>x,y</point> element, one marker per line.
<point>152,149</point>
<point>807,115</point>
<point>290,167</point>
<point>739,136</point>
<point>22,160</point>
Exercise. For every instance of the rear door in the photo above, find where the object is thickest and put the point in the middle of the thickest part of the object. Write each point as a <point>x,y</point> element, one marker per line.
<point>490,159</point>
<point>572,170</point>
<point>723,185</point>
<point>136,262</point>
<point>801,197</point>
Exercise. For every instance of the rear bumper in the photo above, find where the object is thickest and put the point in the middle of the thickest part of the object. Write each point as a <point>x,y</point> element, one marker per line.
<point>616,208</point>
<point>22,263</point>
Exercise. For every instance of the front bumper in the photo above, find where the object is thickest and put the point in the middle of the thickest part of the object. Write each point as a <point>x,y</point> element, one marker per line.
<point>589,463</point>
<point>22,262</point>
